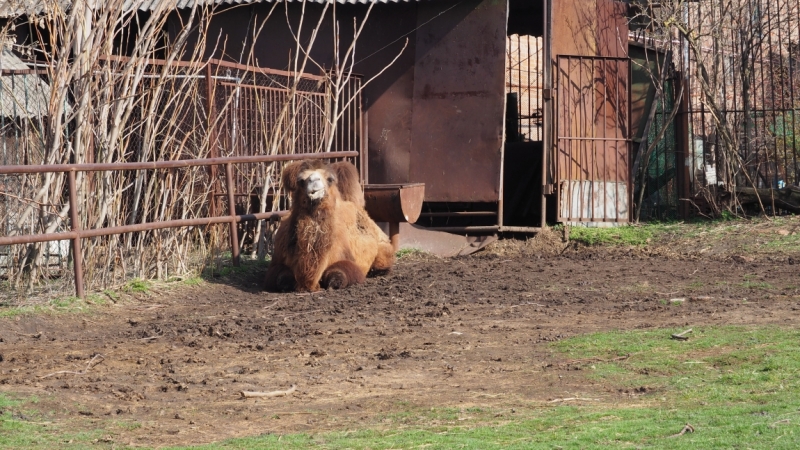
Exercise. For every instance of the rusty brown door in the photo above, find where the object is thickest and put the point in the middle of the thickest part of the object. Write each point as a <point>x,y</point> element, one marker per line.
<point>593,138</point>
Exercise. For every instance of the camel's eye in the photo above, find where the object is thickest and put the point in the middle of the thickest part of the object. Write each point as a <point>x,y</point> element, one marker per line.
<point>331,180</point>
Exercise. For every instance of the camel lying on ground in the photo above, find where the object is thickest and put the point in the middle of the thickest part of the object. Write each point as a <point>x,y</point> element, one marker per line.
<point>327,241</point>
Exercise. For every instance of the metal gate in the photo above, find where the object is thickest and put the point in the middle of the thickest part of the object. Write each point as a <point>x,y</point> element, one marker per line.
<point>592,164</point>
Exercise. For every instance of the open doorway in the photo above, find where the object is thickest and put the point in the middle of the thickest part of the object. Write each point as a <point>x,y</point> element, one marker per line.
<point>525,111</point>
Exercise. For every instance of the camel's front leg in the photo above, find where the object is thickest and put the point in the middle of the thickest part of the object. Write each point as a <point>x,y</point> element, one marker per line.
<point>308,276</point>
<point>341,274</point>
<point>279,278</point>
<point>384,260</point>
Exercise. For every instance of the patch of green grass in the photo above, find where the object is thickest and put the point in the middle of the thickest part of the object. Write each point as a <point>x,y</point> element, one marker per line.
<point>635,235</point>
<point>696,285</point>
<point>55,306</point>
<point>113,295</point>
<point>138,286</point>
<point>756,285</point>
<point>738,386</point>
<point>405,252</point>
<point>21,428</point>
<point>780,243</point>
<point>193,281</point>
<point>129,425</point>
<point>96,299</point>
<point>246,267</point>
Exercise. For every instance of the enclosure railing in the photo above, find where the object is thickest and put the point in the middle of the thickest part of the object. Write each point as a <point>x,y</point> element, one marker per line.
<point>741,130</point>
<point>76,233</point>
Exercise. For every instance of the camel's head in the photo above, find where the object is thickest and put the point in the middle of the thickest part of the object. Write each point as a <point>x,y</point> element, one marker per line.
<point>317,183</point>
<point>310,182</point>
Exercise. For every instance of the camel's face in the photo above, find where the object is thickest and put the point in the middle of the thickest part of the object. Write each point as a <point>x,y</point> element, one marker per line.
<point>316,183</point>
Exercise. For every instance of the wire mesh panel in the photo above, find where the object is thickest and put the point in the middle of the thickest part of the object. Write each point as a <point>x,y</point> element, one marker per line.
<point>593,127</point>
<point>268,113</point>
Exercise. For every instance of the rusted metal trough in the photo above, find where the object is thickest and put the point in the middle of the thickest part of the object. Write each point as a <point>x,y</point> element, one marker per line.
<point>394,203</point>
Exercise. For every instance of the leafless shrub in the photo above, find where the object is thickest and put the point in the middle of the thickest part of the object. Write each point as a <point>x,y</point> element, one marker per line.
<point>156,103</point>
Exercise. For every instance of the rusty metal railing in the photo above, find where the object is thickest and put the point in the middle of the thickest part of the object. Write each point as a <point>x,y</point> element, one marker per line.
<point>76,233</point>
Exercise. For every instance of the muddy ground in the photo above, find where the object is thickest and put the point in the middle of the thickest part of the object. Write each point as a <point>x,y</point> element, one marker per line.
<point>471,331</point>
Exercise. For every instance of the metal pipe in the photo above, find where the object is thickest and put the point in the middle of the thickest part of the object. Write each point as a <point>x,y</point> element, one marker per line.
<point>232,210</point>
<point>99,167</point>
<point>520,229</point>
<point>460,214</point>
<point>77,252</point>
<point>394,235</point>
<point>485,229</point>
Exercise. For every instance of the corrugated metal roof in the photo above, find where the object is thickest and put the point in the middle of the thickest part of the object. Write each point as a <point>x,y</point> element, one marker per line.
<point>151,4</point>
<point>21,96</point>
<point>12,8</point>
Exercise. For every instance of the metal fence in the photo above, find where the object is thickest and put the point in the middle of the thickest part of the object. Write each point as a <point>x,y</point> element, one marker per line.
<point>76,234</point>
<point>749,59</point>
<point>592,138</point>
<point>259,117</point>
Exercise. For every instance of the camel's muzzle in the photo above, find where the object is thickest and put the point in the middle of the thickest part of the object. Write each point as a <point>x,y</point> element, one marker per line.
<point>315,187</point>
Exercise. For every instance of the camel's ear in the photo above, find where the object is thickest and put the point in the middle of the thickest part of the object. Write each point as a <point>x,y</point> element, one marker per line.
<point>289,175</point>
<point>348,182</point>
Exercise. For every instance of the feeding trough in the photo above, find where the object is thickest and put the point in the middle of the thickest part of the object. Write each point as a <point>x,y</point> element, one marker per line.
<point>394,203</point>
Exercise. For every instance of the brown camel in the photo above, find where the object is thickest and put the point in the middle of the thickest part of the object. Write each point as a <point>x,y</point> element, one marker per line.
<point>327,240</point>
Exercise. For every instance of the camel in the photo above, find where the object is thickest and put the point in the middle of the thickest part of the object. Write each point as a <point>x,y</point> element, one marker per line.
<point>327,240</point>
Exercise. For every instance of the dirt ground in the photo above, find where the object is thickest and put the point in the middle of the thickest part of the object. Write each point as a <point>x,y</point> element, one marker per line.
<point>470,331</point>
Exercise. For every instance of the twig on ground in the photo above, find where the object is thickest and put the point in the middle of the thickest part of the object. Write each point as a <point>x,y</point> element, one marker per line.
<point>300,314</point>
<point>257,394</point>
<point>780,422</point>
<point>146,307</point>
<point>35,336</point>
<point>82,372</point>
<point>273,304</point>
<point>682,335</point>
<point>597,359</point>
<point>687,429</point>
<point>149,338</point>
<point>569,399</point>
<point>526,304</point>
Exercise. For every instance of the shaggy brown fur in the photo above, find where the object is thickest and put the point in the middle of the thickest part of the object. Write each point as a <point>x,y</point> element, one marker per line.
<point>330,242</point>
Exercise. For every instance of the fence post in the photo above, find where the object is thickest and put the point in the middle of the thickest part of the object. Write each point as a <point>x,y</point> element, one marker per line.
<point>232,212</point>
<point>77,253</point>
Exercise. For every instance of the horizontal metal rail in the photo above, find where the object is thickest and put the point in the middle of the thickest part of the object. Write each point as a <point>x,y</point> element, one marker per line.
<point>460,214</point>
<point>173,164</point>
<point>97,232</point>
<point>76,233</point>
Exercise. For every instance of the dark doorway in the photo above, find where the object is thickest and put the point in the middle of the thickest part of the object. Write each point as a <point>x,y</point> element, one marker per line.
<point>522,165</point>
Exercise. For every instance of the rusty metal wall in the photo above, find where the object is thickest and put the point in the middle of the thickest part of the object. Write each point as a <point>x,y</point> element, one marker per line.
<point>388,100</point>
<point>459,90</point>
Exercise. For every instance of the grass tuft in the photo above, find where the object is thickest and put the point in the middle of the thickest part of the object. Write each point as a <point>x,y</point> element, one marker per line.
<point>408,252</point>
<point>138,286</point>
<point>635,235</point>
